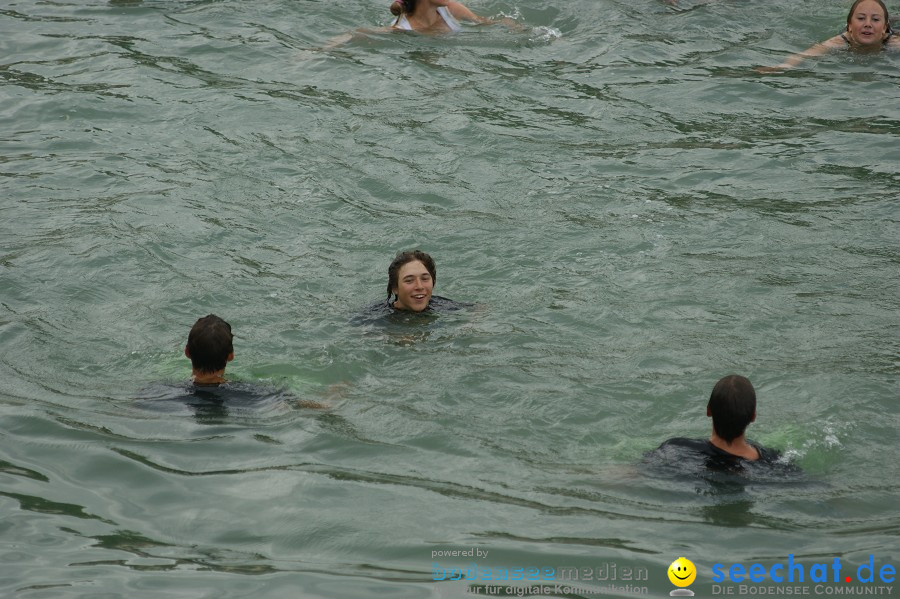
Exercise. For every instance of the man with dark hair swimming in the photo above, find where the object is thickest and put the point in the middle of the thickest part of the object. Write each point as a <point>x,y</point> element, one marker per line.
<point>732,407</point>
<point>209,348</point>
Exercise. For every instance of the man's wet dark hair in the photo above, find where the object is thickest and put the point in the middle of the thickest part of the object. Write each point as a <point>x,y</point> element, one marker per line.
<point>732,406</point>
<point>405,258</point>
<point>210,343</point>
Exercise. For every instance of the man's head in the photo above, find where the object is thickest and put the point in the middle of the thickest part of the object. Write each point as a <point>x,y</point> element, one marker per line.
<point>209,345</point>
<point>404,258</point>
<point>732,406</point>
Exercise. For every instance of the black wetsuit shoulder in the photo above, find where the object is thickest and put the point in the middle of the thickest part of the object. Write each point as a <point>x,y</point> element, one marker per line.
<point>443,304</point>
<point>695,456</point>
<point>436,304</point>
<point>231,395</point>
<point>705,447</point>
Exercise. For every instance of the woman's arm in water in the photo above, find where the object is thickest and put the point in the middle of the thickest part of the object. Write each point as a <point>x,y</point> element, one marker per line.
<point>835,43</point>
<point>342,39</point>
<point>461,13</point>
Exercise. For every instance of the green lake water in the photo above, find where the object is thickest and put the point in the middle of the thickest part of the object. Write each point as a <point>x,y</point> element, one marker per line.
<point>633,209</point>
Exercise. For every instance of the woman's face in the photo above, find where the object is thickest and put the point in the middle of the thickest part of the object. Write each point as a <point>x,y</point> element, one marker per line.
<point>414,285</point>
<point>867,26</point>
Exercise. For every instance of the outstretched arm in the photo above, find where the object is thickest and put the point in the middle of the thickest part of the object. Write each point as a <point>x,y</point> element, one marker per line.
<point>464,14</point>
<point>790,62</point>
<point>461,12</point>
<point>342,39</point>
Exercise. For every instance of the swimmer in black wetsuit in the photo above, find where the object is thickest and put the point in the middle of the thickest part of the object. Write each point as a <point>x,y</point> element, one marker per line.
<point>411,279</point>
<point>209,348</point>
<point>868,30</point>
<point>732,407</point>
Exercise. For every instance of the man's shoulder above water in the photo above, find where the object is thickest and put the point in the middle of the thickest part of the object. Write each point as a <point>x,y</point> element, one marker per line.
<point>235,395</point>
<point>690,453</point>
<point>384,309</point>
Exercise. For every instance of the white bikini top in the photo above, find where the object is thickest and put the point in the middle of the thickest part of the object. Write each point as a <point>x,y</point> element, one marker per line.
<point>449,19</point>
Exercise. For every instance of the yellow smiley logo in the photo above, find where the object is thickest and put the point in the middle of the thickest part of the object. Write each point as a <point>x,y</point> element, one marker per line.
<point>682,572</point>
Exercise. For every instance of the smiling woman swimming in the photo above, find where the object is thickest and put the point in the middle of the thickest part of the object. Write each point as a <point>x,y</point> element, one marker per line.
<point>868,30</point>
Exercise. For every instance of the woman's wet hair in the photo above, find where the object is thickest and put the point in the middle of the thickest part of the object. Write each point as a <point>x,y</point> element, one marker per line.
<point>887,16</point>
<point>398,7</point>
<point>405,258</point>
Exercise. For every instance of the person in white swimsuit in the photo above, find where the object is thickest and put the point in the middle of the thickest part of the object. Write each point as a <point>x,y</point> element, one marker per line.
<point>428,16</point>
<point>432,16</point>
